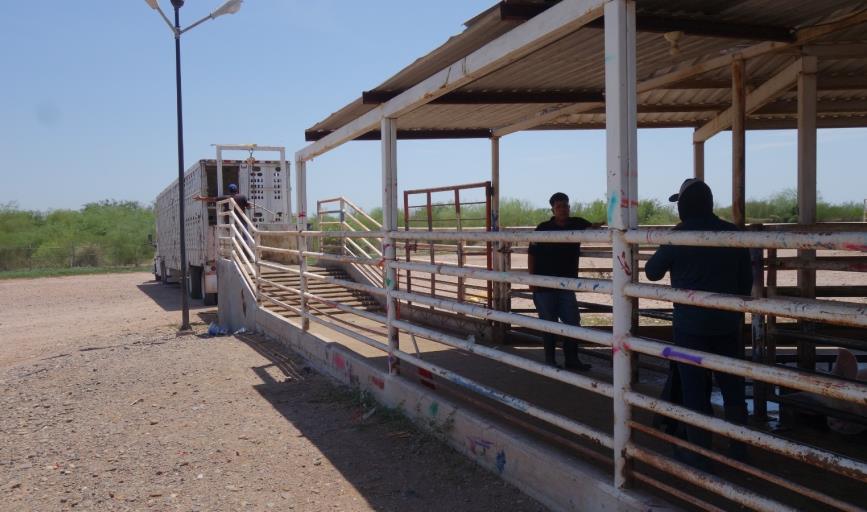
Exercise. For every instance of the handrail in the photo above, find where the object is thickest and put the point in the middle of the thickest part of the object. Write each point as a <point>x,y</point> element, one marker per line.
<point>357,248</point>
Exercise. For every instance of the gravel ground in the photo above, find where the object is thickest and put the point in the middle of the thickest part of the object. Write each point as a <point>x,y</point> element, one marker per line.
<point>106,407</point>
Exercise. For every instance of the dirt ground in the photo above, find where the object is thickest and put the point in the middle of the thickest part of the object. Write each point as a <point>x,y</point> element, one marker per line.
<point>105,407</point>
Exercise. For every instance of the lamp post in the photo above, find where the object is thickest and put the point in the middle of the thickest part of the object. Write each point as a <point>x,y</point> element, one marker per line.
<point>229,7</point>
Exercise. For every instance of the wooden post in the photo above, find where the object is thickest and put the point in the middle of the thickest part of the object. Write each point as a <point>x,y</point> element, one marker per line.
<point>698,160</point>
<point>807,192</point>
<point>499,290</point>
<point>759,337</point>
<point>739,117</point>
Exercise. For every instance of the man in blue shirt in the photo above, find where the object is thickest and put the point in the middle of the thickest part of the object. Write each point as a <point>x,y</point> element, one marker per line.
<point>560,260</point>
<point>711,269</point>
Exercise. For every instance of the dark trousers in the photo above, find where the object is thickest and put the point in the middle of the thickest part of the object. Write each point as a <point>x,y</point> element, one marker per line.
<point>554,305</point>
<point>696,386</point>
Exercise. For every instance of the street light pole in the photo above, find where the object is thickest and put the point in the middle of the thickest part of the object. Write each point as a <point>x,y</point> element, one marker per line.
<point>229,7</point>
<point>185,306</point>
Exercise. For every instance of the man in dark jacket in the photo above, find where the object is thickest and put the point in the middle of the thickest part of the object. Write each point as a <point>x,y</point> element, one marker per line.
<point>561,260</point>
<point>712,269</point>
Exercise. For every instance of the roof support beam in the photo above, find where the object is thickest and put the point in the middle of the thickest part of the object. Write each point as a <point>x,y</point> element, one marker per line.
<point>491,97</point>
<point>480,133</point>
<point>854,120</point>
<point>836,50</point>
<point>545,116</point>
<point>826,83</point>
<point>552,25</point>
<point>662,24</point>
<point>802,36</point>
<point>780,83</point>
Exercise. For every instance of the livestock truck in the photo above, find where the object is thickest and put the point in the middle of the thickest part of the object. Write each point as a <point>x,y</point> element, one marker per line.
<point>265,183</point>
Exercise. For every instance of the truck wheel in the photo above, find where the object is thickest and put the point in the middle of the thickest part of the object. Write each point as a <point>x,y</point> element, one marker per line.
<point>195,282</point>
<point>209,299</point>
<point>164,277</point>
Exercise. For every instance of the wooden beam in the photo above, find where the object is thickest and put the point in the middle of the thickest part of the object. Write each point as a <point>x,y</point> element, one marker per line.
<point>778,84</point>
<point>521,12</point>
<point>826,83</point>
<point>671,79</point>
<point>850,121</point>
<point>856,50</point>
<point>842,83</point>
<point>546,28</point>
<point>709,28</point>
<point>822,107</point>
<point>492,97</point>
<point>703,28</point>
<point>739,161</point>
<point>661,24</point>
<point>545,116</point>
<point>473,133</point>
<point>802,36</point>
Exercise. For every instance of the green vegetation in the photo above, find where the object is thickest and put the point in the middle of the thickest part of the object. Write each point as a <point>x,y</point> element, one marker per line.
<point>75,271</point>
<point>519,212</point>
<point>783,207</point>
<point>104,234</point>
<point>114,234</point>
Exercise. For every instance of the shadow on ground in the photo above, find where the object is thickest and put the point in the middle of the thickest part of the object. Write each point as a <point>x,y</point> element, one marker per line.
<point>168,296</point>
<point>388,461</point>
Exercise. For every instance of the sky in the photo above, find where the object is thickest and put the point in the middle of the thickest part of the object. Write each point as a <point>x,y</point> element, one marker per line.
<point>88,107</point>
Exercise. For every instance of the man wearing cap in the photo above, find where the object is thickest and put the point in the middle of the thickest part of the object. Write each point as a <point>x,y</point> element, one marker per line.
<point>240,199</point>
<point>560,260</point>
<point>712,269</point>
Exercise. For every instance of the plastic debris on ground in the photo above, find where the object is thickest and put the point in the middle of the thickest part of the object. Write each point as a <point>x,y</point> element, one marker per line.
<point>215,330</point>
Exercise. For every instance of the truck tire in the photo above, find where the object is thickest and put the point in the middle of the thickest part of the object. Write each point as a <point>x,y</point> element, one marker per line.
<point>209,299</point>
<point>164,277</point>
<point>194,285</point>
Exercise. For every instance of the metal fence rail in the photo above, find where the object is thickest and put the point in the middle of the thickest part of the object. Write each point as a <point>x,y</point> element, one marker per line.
<point>240,243</point>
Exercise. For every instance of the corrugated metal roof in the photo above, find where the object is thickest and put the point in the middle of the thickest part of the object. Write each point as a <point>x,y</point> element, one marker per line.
<point>575,64</point>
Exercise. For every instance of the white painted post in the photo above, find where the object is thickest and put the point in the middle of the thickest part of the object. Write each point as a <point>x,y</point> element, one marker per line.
<point>287,191</point>
<point>698,160</point>
<point>257,255</point>
<point>388,129</point>
<point>807,190</point>
<point>219,176</point>
<point>301,225</point>
<point>621,137</point>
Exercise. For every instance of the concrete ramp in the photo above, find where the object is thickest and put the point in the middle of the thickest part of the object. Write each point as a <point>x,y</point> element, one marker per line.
<point>558,478</point>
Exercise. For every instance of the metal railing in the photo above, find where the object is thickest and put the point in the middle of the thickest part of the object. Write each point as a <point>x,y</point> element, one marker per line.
<point>339,214</point>
<point>238,240</point>
<point>241,243</point>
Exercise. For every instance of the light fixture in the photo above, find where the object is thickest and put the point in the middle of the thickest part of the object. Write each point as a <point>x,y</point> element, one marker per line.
<point>230,7</point>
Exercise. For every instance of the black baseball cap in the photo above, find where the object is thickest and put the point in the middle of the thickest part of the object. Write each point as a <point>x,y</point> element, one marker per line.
<point>558,196</point>
<point>685,185</point>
